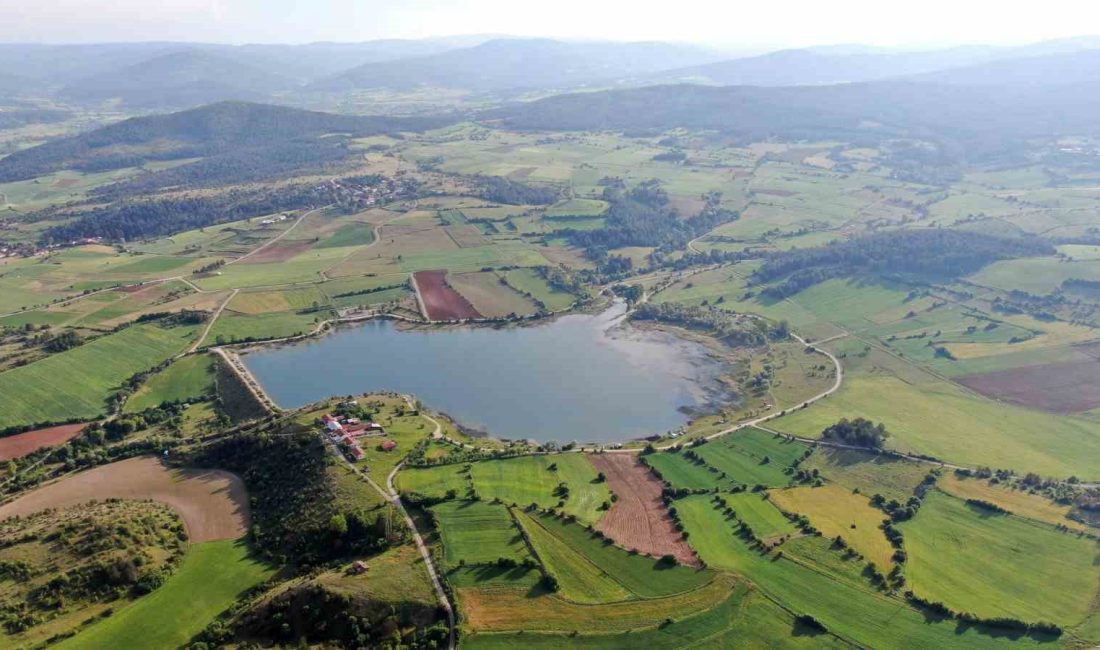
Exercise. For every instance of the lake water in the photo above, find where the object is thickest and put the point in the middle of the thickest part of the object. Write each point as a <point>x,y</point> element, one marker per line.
<point>581,377</point>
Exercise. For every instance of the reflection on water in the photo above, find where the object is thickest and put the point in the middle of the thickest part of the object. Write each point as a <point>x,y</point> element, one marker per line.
<point>581,377</point>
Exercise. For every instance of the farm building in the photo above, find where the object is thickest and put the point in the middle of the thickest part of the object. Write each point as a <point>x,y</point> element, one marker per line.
<point>357,452</point>
<point>388,445</point>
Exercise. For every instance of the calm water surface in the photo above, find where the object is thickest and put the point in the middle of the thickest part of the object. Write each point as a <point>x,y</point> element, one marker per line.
<point>581,377</point>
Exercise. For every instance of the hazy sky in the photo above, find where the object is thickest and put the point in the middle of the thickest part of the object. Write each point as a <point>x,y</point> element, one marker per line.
<point>731,22</point>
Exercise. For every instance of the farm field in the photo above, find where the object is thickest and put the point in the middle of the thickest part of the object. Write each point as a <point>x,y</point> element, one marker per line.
<point>1016,501</point>
<point>475,532</point>
<point>638,518</point>
<point>188,378</point>
<point>489,296</point>
<point>441,301</point>
<point>170,616</point>
<point>528,281</point>
<point>434,481</point>
<point>212,503</point>
<point>871,474</point>
<point>92,372</point>
<point>999,565</point>
<point>748,457</point>
<point>21,444</point>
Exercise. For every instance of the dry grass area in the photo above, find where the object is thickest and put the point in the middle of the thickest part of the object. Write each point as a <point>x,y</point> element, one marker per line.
<point>838,511</point>
<point>212,503</point>
<point>1018,502</point>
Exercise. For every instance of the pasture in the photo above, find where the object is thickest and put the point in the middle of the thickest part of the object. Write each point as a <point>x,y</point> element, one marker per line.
<point>579,579</point>
<point>1017,501</point>
<point>999,565</point>
<point>837,511</point>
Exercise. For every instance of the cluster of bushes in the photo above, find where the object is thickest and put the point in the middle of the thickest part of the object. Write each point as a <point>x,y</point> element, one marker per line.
<point>859,432</point>
<point>725,325</point>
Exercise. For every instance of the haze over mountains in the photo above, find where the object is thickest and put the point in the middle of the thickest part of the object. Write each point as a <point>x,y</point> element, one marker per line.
<point>146,76</point>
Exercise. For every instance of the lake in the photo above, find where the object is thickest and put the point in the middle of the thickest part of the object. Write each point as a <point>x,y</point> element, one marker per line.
<point>580,377</point>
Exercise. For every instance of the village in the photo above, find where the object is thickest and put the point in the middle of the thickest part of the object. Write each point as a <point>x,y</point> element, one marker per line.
<point>348,432</point>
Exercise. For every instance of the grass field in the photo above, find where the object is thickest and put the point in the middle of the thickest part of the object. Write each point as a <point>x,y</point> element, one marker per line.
<point>760,514</point>
<point>170,616</point>
<point>530,479</point>
<point>239,327</point>
<point>434,481</point>
<point>529,281</point>
<point>644,577</point>
<point>747,457</point>
<point>579,580</point>
<point>871,474</point>
<point>188,378</point>
<point>999,565</point>
<point>477,533</point>
<point>489,296</point>
<point>837,511</point>
<point>77,383</point>
<point>577,208</point>
<point>859,614</point>
<point>938,419</point>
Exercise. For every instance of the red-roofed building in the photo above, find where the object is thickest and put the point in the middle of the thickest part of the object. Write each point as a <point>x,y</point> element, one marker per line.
<point>357,453</point>
<point>388,445</point>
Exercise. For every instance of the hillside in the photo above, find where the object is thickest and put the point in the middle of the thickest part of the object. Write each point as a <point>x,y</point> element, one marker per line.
<point>182,78</point>
<point>505,64</point>
<point>222,129</point>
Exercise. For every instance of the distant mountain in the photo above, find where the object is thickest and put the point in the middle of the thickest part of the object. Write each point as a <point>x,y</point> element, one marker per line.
<point>973,121</point>
<point>241,136</point>
<point>821,67</point>
<point>519,64</point>
<point>1048,70</point>
<point>184,78</point>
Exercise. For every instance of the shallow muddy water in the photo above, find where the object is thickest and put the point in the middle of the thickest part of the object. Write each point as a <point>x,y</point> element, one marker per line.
<point>581,377</point>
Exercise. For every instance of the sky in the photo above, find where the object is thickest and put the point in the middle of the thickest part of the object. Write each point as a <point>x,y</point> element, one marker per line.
<point>733,23</point>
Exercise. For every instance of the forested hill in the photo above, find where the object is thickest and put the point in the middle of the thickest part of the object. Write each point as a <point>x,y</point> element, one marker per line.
<point>982,121</point>
<point>217,129</point>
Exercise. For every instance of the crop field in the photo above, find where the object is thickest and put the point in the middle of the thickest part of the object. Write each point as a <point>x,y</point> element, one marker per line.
<point>232,327</point>
<point>836,511</point>
<point>536,479</point>
<point>748,457</point>
<point>639,518</point>
<point>490,296</point>
<point>212,503</point>
<point>21,444</point>
<point>191,377</point>
<point>999,565</point>
<point>759,513</point>
<point>1016,501</point>
<point>477,533</point>
<point>92,371</point>
<point>170,616</point>
<point>1069,387</point>
<point>261,302</point>
<point>441,301</point>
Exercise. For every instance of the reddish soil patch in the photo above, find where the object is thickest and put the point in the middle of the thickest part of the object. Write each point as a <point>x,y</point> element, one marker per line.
<point>213,504</point>
<point>440,300</point>
<point>774,192</point>
<point>1069,387</point>
<point>639,518</point>
<point>65,182</point>
<point>22,444</point>
<point>278,253</point>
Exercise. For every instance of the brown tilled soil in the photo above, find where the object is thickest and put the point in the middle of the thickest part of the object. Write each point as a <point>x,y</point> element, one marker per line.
<point>639,519</point>
<point>212,503</point>
<point>22,444</point>
<point>280,252</point>
<point>440,300</point>
<point>1069,387</point>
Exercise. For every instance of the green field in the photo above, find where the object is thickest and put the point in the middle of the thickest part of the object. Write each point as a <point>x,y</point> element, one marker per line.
<point>857,613</point>
<point>893,478</point>
<point>239,327</point>
<point>208,581</point>
<point>577,208</point>
<point>760,514</point>
<point>999,565</point>
<point>643,576</point>
<point>748,457</point>
<point>579,579</point>
<point>529,281</point>
<point>477,533</point>
<point>76,383</point>
<point>836,511</point>
<point>936,418</point>
<point>434,481</point>
<point>530,479</point>
<point>189,378</point>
